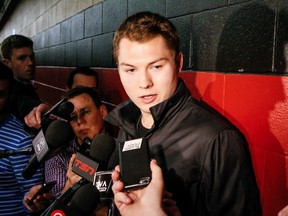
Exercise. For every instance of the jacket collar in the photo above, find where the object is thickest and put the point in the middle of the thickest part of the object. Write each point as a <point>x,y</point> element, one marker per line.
<point>126,114</point>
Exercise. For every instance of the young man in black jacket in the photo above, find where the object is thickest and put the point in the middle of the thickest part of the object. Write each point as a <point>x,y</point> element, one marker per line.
<point>205,161</point>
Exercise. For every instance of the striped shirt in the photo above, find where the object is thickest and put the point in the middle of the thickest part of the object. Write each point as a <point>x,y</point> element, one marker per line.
<point>12,184</point>
<point>56,167</point>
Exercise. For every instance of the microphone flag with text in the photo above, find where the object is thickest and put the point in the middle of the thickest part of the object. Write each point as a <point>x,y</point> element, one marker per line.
<point>57,136</point>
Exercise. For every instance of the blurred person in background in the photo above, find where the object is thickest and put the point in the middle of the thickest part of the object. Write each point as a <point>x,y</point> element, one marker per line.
<point>13,186</point>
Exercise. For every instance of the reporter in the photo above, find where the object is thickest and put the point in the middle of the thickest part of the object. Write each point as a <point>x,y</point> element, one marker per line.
<point>144,201</point>
<point>80,76</point>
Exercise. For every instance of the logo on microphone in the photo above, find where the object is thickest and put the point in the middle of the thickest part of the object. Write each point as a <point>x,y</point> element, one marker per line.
<point>103,182</point>
<point>40,145</point>
<point>57,212</point>
<point>84,167</point>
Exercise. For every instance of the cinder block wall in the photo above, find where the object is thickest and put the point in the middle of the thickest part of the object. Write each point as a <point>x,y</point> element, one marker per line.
<point>235,55</point>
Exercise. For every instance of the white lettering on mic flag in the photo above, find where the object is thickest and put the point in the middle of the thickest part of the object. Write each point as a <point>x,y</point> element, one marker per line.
<point>132,145</point>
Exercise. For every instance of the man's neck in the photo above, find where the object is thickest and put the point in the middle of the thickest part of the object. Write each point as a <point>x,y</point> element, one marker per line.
<point>147,120</point>
<point>25,82</point>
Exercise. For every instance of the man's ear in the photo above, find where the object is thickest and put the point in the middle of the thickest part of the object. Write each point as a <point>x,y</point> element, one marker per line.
<point>179,62</point>
<point>6,62</point>
<point>103,110</point>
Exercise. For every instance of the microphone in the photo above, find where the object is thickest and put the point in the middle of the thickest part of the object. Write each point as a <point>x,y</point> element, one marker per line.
<point>85,200</point>
<point>103,182</point>
<point>7,153</point>
<point>60,111</point>
<point>102,146</point>
<point>85,146</point>
<point>102,179</point>
<point>46,148</point>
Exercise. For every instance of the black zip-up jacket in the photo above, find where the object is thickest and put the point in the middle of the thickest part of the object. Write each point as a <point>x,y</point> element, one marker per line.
<point>205,160</point>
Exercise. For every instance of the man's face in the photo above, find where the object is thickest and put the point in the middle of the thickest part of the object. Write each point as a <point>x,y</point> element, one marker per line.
<point>84,80</point>
<point>4,93</point>
<point>148,71</point>
<point>22,63</point>
<point>87,119</point>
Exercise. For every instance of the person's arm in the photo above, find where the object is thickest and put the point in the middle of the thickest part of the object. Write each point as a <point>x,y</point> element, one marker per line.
<point>231,177</point>
<point>19,163</point>
<point>145,201</point>
<point>33,119</point>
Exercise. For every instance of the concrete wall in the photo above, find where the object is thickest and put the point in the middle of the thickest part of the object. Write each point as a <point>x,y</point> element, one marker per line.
<point>223,35</point>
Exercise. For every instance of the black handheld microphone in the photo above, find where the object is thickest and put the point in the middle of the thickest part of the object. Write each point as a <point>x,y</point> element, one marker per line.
<point>60,111</point>
<point>84,202</point>
<point>47,147</point>
<point>8,153</point>
<point>102,146</point>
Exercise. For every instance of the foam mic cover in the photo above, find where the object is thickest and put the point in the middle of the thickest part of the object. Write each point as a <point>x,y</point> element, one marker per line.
<point>102,147</point>
<point>58,133</point>
<point>85,200</point>
<point>114,160</point>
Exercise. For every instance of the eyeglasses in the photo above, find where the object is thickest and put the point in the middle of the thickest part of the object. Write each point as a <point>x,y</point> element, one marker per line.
<point>82,114</point>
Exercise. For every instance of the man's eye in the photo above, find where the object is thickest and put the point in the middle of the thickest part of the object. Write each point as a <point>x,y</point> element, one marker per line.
<point>21,58</point>
<point>157,67</point>
<point>73,118</point>
<point>86,112</point>
<point>129,70</point>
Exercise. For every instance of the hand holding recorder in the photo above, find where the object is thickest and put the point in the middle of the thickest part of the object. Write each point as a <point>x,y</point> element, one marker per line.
<point>147,200</point>
<point>39,196</point>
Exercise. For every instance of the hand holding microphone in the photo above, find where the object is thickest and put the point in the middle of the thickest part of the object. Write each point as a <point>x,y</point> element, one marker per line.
<point>61,110</point>
<point>147,200</point>
<point>72,177</point>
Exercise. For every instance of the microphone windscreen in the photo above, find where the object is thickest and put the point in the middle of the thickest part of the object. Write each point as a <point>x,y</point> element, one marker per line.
<point>114,160</point>
<point>59,133</point>
<point>102,147</point>
<point>85,200</point>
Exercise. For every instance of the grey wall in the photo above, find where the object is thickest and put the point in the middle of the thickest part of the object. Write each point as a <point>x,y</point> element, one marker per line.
<point>216,35</point>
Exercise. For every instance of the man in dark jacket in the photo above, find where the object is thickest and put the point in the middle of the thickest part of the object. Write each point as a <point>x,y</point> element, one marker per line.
<point>205,161</point>
<point>17,53</point>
